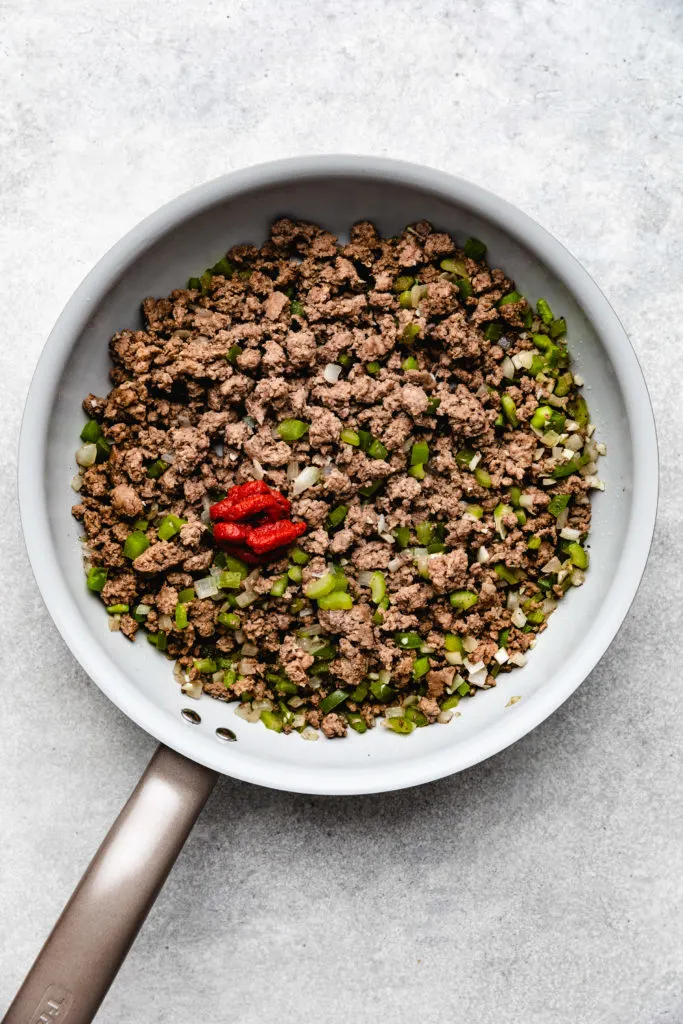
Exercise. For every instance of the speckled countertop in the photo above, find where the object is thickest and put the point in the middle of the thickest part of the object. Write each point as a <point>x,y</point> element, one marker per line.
<point>543,886</point>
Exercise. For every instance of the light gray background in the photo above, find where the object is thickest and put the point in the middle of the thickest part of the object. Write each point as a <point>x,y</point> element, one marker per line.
<point>543,886</point>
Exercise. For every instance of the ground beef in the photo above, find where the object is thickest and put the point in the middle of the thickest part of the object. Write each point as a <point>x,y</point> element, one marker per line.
<point>444,484</point>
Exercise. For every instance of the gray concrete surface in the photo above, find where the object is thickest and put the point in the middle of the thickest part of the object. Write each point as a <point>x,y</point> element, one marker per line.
<point>543,886</point>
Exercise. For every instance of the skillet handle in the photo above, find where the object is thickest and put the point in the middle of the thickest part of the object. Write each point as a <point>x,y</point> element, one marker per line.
<point>82,955</point>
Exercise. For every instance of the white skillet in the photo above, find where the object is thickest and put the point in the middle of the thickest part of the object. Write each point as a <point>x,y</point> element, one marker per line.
<point>89,942</point>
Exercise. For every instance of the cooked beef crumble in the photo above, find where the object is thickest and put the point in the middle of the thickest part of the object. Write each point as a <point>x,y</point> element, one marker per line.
<point>423,422</point>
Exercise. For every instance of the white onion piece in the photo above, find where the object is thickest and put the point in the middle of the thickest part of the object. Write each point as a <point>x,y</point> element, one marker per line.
<point>394,564</point>
<point>165,622</point>
<point>518,659</point>
<point>508,368</point>
<point>331,372</point>
<point>192,688</point>
<point>527,501</point>
<point>249,650</point>
<point>262,705</point>
<point>444,717</point>
<point>396,712</point>
<point>364,578</point>
<point>86,455</point>
<point>469,644</point>
<point>309,733</point>
<point>525,359</point>
<point>478,678</point>
<point>518,618</point>
<point>554,565</point>
<point>453,657</point>
<point>601,448</point>
<point>574,442</point>
<point>381,523</point>
<point>578,380</point>
<point>563,519</point>
<point>308,477</point>
<point>482,555</point>
<point>246,598</point>
<point>167,457</point>
<point>512,602</point>
<point>548,606</point>
<point>206,587</point>
<point>473,667</point>
<point>578,578</point>
<point>246,668</point>
<point>384,676</point>
<point>292,470</point>
<point>114,623</point>
<point>77,482</point>
<point>258,469</point>
<point>501,655</point>
<point>475,461</point>
<point>298,721</point>
<point>143,609</point>
<point>568,533</point>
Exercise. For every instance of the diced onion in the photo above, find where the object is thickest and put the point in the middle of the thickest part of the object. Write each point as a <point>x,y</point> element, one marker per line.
<point>249,650</point>
<point>381,523</point>
<point>167,457</point>
<point>296,702</point>
<point>554,565</point>
<point>548,606</point>
<point>298,721</point>
<point>578,578</point>
<point>501,655</point>
<point>114,623</point>
<point>512,602</point>
<point>444,717</point>
<point>569,533</point>
<point>482,555</point>
<point>165,622</point>
<point>239,636</point>
<point>292,470</point>
<point>550,438</point>
<point>478,678</point>
<point>331,372</point>
<point>384,676</point>
<point>525,359</point>
<point>518,618</point>
<point>262,705</point>
<point>396,712</point>
<point>518,659</point>
<point>143,609</point>
<point>410,701</point>
<point>306,478</point>
<point>562,519</point>
<point>309,733</point>
<point>475,461</point>
<point>311,630</point>
<point>258,469</point>
<point>578,380</point>
<point>364,578</point>
<point>527,501</point>
<point>453,657</point>
<point>246,668</point>
<point>508,368</point>
<point>86,455</point>
<point>469,644</point>
<point>394,564</point>
<point>206,587</point>
<point>574,442</point>
<point>473,667</point>
<point>192,688</point>
<point>77,482</point>
<point>246,598</point>
<point>601,448</point>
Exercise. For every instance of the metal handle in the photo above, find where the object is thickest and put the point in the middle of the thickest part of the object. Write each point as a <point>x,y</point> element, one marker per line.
<point>82,955</point>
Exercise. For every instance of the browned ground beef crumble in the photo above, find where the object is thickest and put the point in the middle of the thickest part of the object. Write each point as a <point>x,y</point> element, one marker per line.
<point>217,367</point>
